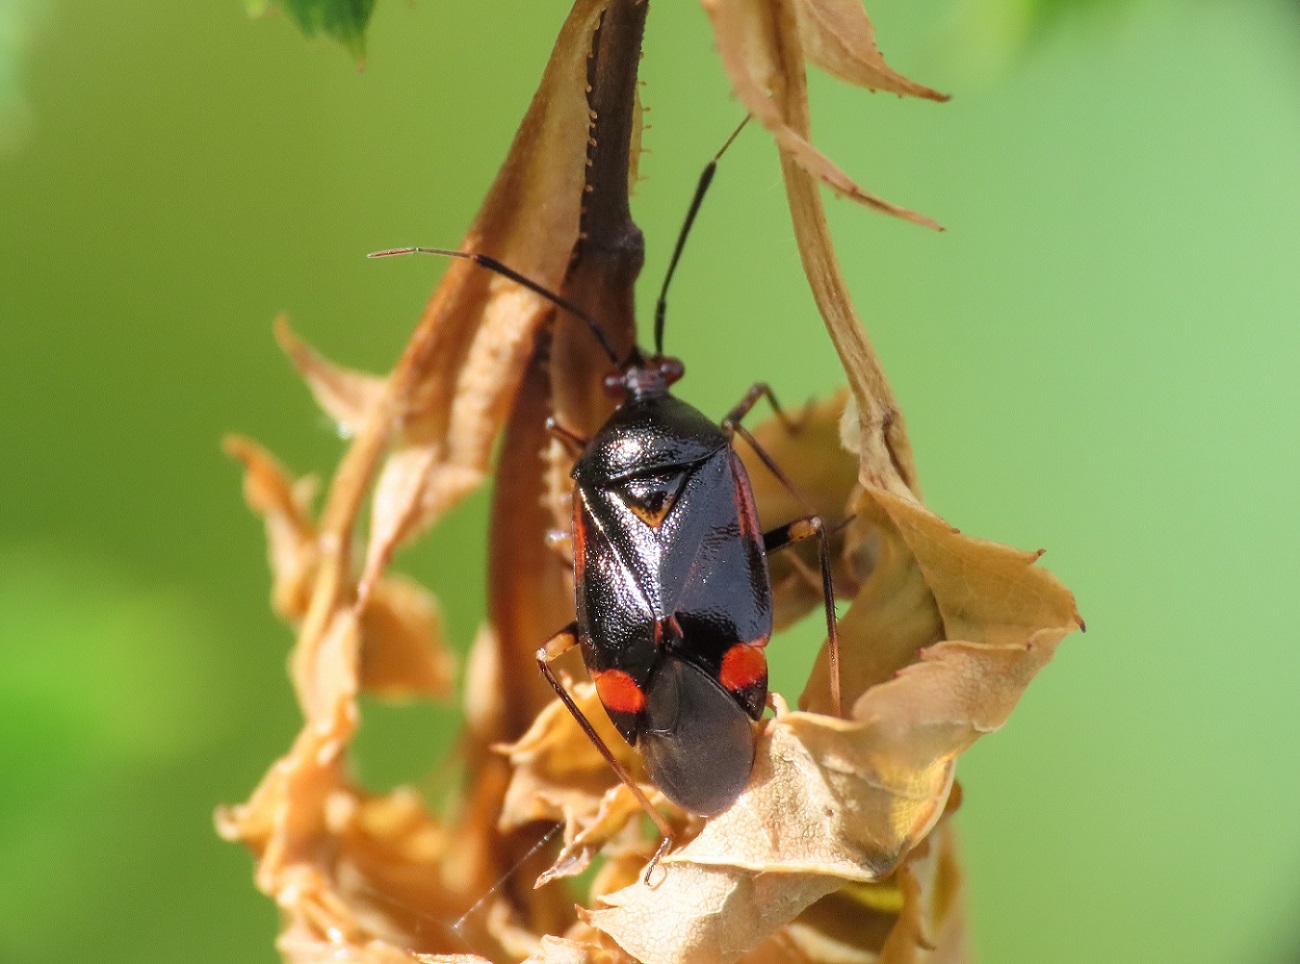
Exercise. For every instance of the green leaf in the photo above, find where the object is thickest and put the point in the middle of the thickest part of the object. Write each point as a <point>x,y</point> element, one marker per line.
<point>344,20</point>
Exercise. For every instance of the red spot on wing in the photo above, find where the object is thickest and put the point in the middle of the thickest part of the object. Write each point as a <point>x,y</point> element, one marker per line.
<point>619,692</point>
<point>743,665</point>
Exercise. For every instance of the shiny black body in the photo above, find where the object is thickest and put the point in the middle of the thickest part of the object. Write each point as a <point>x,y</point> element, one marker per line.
<point>671,576</point>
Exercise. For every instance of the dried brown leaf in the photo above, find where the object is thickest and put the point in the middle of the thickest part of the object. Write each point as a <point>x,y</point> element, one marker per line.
<point>404,654</point>
<point>891,617</point>
<point>358,877</point>
<point>824,800</point>
<point>703,914</point>
<point>914,916</point>
<point>933,583</point>
<point>758,41</point>
<point>347,396</point>
<point>838,37</point>
<point>849,926</point>
<point>483,699</point>
<point>622,868</point>
<point>452,390</point>
<point>884,452</point>
<point>290,532</point>
<point>716,914</point>
<point>558,753</point>
<point>326,680</point>
<point>826,478</point>
<point>560,950</point>
<point>930,928</point>
<point>557,774</point>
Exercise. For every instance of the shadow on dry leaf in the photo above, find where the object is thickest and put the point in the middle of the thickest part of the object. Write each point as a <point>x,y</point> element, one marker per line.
<point>840,848</point>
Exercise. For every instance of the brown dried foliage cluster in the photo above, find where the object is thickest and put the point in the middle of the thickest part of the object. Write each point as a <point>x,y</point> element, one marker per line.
<point>839,850</point>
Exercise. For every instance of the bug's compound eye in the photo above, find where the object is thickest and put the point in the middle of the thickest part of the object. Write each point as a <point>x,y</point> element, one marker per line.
<point>615,383</point>
<point>671,369</point>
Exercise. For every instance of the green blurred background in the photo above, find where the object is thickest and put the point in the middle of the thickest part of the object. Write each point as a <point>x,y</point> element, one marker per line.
<point>1099,357</point>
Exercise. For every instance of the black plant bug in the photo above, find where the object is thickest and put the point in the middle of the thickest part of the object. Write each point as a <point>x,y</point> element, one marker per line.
<point>673,596</point>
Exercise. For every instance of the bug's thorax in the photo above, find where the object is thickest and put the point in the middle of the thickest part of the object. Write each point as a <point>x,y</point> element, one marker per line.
<point>651,430</point>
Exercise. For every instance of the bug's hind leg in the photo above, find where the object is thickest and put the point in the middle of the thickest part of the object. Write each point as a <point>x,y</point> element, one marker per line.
<point>557,646</point>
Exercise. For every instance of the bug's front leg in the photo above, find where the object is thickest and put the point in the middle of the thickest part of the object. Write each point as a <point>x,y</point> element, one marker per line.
<point>574,442</point>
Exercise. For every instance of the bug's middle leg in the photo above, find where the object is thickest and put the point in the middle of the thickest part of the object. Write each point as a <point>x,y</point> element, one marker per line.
<point>809,527</point>
<point>757,392</point>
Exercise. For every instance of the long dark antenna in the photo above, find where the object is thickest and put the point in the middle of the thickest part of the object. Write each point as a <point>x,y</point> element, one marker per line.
<point>706,178</point>
<point>492,264</point>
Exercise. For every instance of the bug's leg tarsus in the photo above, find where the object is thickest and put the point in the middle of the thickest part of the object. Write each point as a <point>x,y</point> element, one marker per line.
<point>810,527</point>
<point>557,646</point>
<point>664,844</point>
<point>574,442</point>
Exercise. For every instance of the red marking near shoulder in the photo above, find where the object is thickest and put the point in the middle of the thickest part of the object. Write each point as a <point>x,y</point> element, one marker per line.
<point>743,665</point>
<point>619,691</point>
<point>745,499</point>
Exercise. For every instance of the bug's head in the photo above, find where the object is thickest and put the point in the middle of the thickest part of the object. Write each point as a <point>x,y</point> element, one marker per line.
<point>641,377</point>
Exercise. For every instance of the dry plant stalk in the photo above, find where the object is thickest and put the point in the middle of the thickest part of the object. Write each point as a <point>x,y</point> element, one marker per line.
<point>839,850</point>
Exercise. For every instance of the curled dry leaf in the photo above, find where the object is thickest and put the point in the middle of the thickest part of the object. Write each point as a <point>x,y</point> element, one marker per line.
<point>914,918</point>
<point>405,654</point>
<point>284,506</point>
<point>699,914</point>
<point>360,877</point>
<point>838,37</point>
<point>347,396</point>
<point>759,42</point>
<point>560,950</point>
<point>451,392</point>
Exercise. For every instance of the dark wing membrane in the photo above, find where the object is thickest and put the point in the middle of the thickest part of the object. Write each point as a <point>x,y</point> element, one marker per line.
<point>697,744</point>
